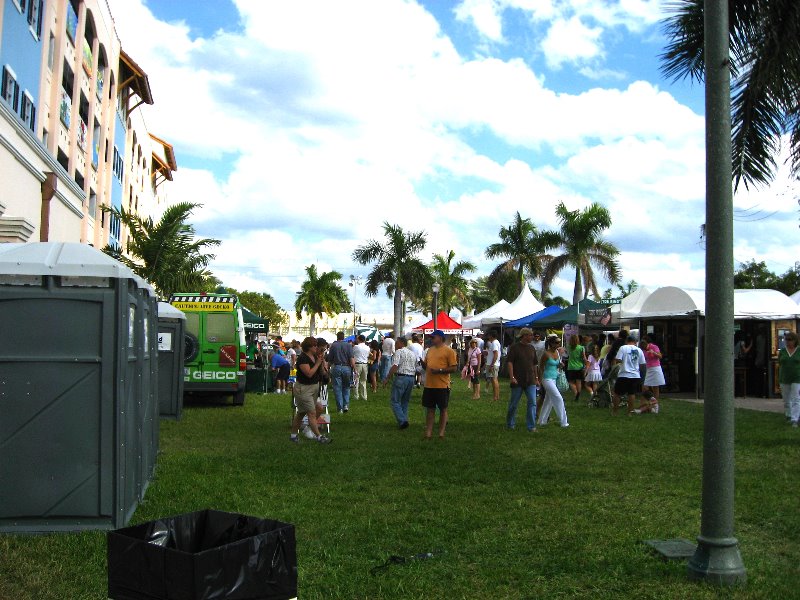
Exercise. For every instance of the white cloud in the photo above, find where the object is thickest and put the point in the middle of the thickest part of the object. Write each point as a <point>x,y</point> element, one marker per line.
<point>330,126</point>
<point>571,41</point>
<point>485,15</point>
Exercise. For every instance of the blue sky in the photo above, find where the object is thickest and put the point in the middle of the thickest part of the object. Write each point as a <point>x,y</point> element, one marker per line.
<point>302,126</point>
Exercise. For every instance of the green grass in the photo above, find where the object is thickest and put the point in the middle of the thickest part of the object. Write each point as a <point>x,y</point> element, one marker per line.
<point>556,514</point>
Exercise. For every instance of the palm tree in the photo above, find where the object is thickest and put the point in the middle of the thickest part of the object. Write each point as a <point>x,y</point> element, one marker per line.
<point>523,247</point>
<point>582,246</point>
<point>453,286</point>
<point>481,294</point>
<point>765,66</point>
<point>396,266</point>
<point>165,253</point>
<point>320,293</point>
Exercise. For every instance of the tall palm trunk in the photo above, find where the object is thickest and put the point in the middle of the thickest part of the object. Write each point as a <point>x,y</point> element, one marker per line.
<point>312,325</point>
<point>576,292</point>
<point>398,311</point>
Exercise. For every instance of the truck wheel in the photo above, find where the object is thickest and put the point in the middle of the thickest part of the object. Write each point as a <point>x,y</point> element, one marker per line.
<point>191,347</point>
<point>238,398</point>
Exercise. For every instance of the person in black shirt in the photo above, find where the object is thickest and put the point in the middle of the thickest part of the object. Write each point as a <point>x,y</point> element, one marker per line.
<point>306,390</point>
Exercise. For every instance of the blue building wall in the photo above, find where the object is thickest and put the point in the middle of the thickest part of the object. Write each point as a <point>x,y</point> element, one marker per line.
<point>117,164</point>
<point>21,50</point>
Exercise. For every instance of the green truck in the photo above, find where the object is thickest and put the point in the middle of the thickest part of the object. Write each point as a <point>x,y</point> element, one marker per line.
<point>215,360</point>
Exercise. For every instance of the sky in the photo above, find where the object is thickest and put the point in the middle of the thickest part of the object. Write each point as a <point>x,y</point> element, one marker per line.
<point>302,126</point>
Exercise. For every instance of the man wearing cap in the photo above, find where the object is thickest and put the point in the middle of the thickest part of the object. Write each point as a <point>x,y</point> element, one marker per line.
<point>404,365</point>
<point>439,362</point>
<point>524,377</point>
<point>628,384</point>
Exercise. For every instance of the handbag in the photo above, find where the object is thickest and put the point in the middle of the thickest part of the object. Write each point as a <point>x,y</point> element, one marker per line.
<point>561,382</point>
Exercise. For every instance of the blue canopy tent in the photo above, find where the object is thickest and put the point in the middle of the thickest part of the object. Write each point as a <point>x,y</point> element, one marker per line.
<point>531,319</point>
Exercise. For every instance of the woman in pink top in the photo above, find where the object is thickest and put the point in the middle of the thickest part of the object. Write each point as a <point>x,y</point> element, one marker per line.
<point>654,376</point>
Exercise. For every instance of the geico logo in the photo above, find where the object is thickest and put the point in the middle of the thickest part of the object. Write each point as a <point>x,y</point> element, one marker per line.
<point>214,375</point>
<point>256,326</point>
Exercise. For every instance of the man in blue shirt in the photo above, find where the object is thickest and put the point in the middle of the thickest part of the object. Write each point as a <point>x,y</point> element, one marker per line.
<point>280,367</point>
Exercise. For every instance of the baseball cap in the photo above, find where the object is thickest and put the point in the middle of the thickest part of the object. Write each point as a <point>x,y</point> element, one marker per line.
<point>438,332</point>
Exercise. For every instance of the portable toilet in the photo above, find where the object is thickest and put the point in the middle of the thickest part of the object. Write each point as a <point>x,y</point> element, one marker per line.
<point>147,367</point>
<point>76,441</point>
<point>171,333</point>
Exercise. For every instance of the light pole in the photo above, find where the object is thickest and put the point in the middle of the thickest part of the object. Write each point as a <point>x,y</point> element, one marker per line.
<point>354,281</point>
<point>436,289</point>
<point>717,559</point>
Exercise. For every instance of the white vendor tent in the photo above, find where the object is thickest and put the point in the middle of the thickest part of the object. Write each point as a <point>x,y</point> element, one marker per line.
<point>631,305</point>
<point>474,322</point>
<point>796,297</point>
<point>673,301</point>
<point>763,304</point>
<point>524,304</point>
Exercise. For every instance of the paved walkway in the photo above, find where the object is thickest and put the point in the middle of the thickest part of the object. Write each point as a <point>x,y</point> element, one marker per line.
<point>774,405</point>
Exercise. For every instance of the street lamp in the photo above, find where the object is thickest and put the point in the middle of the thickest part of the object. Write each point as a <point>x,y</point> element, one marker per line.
<point>354,281</point>
<point>717,559</point>
<point>436,289</point>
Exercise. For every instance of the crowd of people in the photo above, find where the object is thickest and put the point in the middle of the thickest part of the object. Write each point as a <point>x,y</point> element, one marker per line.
<point>541,367</point>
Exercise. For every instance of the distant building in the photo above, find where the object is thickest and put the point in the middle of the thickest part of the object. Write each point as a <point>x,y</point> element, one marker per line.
<point>71,138</point>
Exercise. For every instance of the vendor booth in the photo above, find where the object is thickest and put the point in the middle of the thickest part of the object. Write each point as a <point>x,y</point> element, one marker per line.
<point>761,317</point>
<point>444,322</point>
<point>474,322</point>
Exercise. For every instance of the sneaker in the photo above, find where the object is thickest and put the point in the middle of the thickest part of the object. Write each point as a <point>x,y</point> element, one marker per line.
<point>294,438</point>
<point>346,409</point>
<point>655,409</point>
<point>323,439</point>
<point>404,425</point>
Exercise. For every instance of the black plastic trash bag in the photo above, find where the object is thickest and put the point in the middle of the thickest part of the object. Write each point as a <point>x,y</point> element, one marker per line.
<point>203,555</point>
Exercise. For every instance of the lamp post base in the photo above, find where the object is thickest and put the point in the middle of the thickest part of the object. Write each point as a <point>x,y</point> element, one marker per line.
<point>717,561</point>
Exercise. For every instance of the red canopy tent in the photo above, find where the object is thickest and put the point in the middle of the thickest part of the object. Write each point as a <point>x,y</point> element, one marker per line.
<point>443,322</point>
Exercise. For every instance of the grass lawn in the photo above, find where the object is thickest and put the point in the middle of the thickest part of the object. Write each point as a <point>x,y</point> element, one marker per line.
<point>556,514</point>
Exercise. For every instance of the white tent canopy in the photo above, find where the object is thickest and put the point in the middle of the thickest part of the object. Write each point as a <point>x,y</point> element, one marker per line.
<point>673,301</point>
<point>747,304</point>
<point>631,305</point>
<point>796,297</point>
<point>763,304</point>
<point>474,321</point>
<point>524,304</point>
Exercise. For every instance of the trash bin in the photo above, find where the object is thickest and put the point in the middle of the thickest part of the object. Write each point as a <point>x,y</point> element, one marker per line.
<point>203,555</point>
<point>77,437</point>
<point>256,380</point>
<point>171,331</point>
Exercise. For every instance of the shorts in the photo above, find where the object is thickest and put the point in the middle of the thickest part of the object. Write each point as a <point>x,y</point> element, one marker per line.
<point>305,396</point>
<point>283,373</point>
<point>435,397</point>
<point>492,372</point>
<point>626,386</point>
<point>575,375</point>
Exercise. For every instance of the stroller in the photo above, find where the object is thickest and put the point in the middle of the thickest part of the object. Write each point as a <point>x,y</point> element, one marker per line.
<point>605,391</point>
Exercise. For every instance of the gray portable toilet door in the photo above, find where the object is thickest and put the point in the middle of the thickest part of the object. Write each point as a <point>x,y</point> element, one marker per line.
<point>133,412</point>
